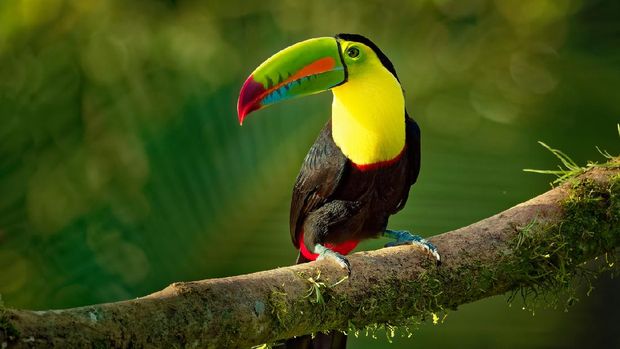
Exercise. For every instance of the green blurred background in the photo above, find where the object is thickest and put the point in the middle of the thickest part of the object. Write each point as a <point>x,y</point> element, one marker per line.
<point>123,168</point>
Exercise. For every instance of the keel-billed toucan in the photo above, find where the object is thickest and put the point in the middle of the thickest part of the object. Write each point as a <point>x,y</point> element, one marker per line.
<point>360,168</point>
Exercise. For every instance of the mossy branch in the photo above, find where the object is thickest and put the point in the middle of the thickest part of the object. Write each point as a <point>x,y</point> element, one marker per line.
<point>536,246</point>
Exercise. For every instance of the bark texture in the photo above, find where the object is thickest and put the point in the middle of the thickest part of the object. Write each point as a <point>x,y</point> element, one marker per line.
<point>535,243</point>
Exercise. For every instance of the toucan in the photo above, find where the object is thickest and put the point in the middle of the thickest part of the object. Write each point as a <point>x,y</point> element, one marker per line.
<point>359,170</point>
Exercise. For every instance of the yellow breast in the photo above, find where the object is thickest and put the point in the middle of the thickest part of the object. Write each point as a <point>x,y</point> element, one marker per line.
<point>368,117</point>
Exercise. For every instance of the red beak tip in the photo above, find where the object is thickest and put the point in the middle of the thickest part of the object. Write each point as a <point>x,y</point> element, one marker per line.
<point>249,98</point>
<point>241,114</point>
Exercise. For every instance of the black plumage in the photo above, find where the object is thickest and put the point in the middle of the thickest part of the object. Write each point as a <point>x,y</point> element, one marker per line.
<point>334,201</point>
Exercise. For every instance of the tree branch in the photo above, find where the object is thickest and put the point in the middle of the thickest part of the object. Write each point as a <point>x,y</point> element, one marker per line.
<point>534,244</point>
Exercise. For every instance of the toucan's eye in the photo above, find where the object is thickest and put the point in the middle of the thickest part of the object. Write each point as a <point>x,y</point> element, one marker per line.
<point>353,52</point>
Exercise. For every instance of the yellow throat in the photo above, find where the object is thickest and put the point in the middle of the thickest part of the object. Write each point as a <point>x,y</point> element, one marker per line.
<point>368,116</point>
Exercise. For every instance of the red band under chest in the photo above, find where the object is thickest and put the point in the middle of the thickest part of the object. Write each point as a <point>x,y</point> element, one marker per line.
<point>381,164</point>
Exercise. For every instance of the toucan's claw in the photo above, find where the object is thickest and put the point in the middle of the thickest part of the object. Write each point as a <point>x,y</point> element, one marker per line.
<point>326,253</point>
<point>404,237</point>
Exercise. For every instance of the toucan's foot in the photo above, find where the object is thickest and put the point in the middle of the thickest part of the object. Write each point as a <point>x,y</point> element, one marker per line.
<point>326,253</point>
<point>404,237</point>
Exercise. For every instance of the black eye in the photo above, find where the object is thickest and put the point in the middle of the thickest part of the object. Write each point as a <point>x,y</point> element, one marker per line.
<point>353,52</point>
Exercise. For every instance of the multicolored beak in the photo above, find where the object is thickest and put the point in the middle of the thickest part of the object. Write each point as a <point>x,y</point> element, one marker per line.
<point>305,68</point>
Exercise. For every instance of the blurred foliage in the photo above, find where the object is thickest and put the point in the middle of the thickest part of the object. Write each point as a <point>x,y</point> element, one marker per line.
<point>122,167</point>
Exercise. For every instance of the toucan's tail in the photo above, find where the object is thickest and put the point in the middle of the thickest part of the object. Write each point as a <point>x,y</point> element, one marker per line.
<point>331,340</point>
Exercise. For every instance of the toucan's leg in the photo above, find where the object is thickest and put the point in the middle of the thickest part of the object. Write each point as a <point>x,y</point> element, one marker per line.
<point>404,237</point>
<point>326,253</point>
<point>319,224</point>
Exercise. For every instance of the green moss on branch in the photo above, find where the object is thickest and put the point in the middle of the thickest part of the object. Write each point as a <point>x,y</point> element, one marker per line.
<point>8,332</point>
<point>550,258</point>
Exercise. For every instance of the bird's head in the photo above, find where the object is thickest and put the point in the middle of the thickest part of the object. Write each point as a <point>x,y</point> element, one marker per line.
<point>309,67</point>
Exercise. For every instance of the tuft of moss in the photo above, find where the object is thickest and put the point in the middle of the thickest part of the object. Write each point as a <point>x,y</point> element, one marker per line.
<point>279,306</point>
<point>427,287</point>
<point>551,259</point>
<point>7,329</point>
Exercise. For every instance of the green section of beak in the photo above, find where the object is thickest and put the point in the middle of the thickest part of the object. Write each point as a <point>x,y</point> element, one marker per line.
<point>305,68</point>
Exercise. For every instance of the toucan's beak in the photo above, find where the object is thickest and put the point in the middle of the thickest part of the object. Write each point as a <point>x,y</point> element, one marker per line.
<point>305,68</point>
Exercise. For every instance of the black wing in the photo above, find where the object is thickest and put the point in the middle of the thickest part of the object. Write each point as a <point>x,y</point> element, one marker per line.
<point>412,170</point>
<point>413,148</point>
<point>319,177</point>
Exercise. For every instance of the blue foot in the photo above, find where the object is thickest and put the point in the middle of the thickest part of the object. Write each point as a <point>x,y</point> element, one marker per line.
<point>404,237</point>
<point>326,253</point>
